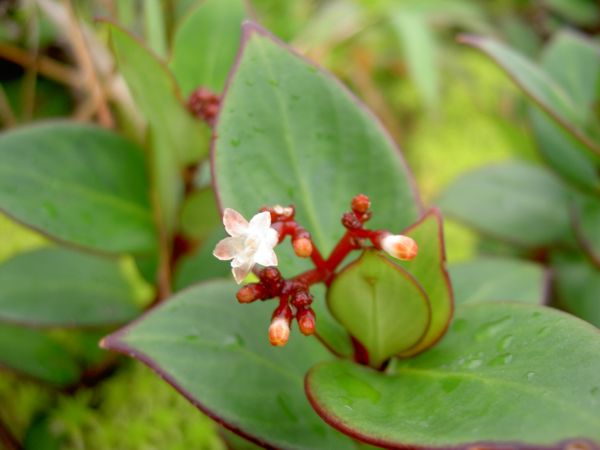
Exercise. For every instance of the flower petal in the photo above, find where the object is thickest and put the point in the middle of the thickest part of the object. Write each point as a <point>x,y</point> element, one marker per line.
<point>228,248</point>
<point>234,222</point>
<point>260,223</point>
<point>240,273</point>
<point>265,256</point>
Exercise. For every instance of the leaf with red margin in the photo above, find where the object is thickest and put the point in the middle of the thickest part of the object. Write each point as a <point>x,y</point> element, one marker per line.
<point>505,376</point>
<point>538,85</point>
<point>381,305</point>
<point>216,353</point>
<point>429,269</point>
<point>288,132</point>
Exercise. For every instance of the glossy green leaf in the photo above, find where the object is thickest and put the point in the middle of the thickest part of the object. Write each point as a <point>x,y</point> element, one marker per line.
<point>585,212</point>
<point>381,305</point>
<point>36,354</point>
<point>420,52</point>
<point>541,87</point>
<point>521,203</point>
<point>205,44</point>
<point>79,184</point>
<point>176,138</point>
<point>577,284</point>
<point>216,352</point>
<point>290,133</point>
<point>498,279</point>
<point>471,390</point>
<point>57,287</point>
<point>429,269</point>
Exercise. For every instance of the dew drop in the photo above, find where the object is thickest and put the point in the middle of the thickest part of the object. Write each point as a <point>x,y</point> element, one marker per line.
<point>450,384</point>
<point>235,142</point>
<point>530,376</point>
<point>191,337</point>
<point>274,82</point>
<point>595,391</point>
<point>459,325</point>
<point>474,364</point>
<point>491,329</point>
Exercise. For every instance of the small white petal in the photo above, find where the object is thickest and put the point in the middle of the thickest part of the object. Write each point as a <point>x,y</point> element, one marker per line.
<point>234,222</point>
<point>271,237</point>
<point>240,273</point>
<point>260,223</point>
<point>227,248</point>
<point>265,256</point>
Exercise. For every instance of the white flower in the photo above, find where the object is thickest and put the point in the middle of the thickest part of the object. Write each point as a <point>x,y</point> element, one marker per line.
<point>250,243</point>
<point>400,246</point>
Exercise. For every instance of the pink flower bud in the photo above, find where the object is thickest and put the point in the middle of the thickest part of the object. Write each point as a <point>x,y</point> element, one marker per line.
<point>399,246</point>
<point>279,332</point>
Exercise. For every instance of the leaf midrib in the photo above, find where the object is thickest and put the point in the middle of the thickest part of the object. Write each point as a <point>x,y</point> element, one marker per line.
<point>309,207</point>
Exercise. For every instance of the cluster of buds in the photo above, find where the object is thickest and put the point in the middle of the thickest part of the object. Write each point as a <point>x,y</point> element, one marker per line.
<point>251,243</point>
<point>204,104</point>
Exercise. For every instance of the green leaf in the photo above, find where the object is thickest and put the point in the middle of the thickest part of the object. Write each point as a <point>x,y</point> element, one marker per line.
<point>429,269</point>
<point>176,138</point>
<point>201,265</point>
<point>585,213</point>
<point>573,61</point>
<point>497,361</point>
<point>36,354</point>
<point>79,184</point>
<point>577,284</point>
<point>381,305</point>
<point>420,52</point>
<point>290,133</point>
<point>57,287</point>
<point>563,153</point>
<point>499,279</point>
<point>216,352</point>
<point>200,214</point>
<point>521,203</point>
<point>544,90</point>
<point>331,333</point>
<point>205,45</point>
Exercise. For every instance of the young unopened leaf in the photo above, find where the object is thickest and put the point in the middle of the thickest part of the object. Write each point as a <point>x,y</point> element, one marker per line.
<point>79,184</point>
<point>429,269</point>
<point>470,390</point>
<point>381,305</point>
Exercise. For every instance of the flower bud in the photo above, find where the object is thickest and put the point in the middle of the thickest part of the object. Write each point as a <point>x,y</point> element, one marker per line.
<point>306,321</point>
<point>361,204</point>
<point>303,247</point>
<point>399,246</point>
<point>301,299</point>
<point>279,332</point>
<point>250,293</point>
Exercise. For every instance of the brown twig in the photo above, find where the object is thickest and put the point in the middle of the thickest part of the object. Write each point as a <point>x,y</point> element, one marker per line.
<point>44,65</point>
<point>86,64</point>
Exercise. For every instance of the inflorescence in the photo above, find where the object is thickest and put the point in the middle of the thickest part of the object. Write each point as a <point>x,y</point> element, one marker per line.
<point>252,243</point>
